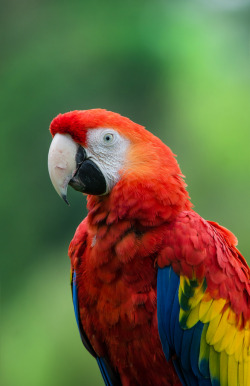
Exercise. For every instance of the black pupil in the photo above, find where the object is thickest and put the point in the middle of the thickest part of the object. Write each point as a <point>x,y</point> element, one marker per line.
<point>108,137</point>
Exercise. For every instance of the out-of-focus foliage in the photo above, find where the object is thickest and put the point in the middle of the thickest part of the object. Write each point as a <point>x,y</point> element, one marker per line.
<point>180,68</point>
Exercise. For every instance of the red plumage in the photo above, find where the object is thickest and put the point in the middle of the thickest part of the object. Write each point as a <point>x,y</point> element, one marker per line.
<point>144,222</point>
<point>117,299</point>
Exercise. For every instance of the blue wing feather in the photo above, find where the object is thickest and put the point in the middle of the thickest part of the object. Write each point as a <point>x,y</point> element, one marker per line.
<point>174,317</point>
<point>195,349</point>
<point>179,371</point>
<point>104,371</point>
<point>162,288</point>
<point>178,332</point>
<point>178,336</point>
<point>182,345</point>
<point>167,285</point>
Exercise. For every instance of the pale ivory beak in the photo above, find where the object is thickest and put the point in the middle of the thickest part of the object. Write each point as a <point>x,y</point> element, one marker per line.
<point>62,162</point>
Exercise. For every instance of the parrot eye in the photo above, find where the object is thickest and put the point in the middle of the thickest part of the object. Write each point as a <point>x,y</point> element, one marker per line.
<point>108,138</point>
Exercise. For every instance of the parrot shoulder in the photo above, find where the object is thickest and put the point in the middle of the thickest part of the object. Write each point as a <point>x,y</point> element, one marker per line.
<point>200,249</point>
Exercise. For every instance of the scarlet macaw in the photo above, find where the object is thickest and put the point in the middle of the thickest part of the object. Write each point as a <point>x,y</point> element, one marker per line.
<point>161,296</point>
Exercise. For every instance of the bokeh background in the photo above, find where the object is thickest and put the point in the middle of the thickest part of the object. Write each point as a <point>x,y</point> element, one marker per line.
<point>181,68</point>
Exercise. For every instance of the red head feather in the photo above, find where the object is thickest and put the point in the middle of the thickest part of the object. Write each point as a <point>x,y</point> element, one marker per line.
<point>77,122</point>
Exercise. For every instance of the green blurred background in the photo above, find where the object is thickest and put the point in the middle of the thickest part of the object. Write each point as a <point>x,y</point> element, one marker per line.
<point>181,68</point>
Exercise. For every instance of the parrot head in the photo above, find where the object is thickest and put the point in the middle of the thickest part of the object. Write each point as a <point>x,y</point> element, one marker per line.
<point>98,152</point>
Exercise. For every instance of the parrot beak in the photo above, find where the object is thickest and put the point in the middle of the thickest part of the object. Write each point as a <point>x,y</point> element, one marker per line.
<point>62,163</point>
<point>68,165</point>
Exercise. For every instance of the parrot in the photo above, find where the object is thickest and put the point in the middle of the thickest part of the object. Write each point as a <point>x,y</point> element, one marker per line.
<point>161,296</point>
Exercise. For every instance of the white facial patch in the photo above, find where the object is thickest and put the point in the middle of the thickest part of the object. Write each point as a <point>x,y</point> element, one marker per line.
<point>107,148</point>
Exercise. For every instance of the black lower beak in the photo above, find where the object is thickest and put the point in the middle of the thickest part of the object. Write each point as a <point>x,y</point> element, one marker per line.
<point>88,177</point>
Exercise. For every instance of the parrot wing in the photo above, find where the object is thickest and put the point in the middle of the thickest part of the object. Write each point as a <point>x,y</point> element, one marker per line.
<point>110,377</point>
<point>203,303</point>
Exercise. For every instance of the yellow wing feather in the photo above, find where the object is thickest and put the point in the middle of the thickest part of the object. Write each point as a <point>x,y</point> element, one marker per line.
<point>223,369</point>
<point>232,371</point>
<point>225,343</point>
